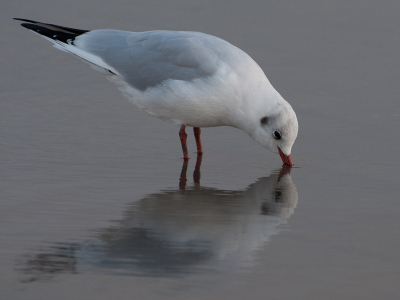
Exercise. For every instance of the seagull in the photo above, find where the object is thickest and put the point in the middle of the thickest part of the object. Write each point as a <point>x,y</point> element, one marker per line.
<point>188,78</point>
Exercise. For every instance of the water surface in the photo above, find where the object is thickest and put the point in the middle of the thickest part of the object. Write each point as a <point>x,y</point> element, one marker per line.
<point>93,201</point>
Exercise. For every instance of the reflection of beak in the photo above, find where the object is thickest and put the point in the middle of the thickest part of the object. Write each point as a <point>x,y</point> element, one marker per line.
<point>287,159</point>
<point>284,170</point>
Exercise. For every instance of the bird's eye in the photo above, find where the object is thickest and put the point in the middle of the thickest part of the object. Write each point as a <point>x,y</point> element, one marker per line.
<point>277,135</point>
<point>264,121</point>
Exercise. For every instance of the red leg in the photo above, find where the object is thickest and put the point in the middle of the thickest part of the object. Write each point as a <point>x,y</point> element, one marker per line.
<point>183,137</point>
<point>197,132</point>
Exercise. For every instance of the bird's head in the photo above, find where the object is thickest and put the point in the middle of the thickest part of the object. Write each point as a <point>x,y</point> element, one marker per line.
<point>277,130</point>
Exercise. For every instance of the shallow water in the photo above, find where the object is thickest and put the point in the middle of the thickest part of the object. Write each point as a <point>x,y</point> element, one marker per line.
<point>94,203</point>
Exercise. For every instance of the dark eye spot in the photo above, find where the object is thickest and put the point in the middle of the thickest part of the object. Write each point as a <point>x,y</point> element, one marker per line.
<point>277,135</point>
<point>264,121</point>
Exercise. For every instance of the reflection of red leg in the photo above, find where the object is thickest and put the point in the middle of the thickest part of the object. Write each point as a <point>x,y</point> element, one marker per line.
<point>196,173</point>
<point>197,132</point>
<point>182,179</point>
<point>183,137</point>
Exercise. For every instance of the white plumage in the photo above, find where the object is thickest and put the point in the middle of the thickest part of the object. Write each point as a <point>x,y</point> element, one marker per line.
<point>188,78</point>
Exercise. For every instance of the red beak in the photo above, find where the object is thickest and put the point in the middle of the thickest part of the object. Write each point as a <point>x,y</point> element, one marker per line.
<point>287,159</point>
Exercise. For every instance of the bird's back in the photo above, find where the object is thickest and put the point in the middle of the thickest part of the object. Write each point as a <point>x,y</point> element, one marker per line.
<point>146,59</point>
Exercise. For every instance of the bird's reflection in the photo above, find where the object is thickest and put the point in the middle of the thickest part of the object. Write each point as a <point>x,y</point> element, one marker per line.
<point>172,232</point>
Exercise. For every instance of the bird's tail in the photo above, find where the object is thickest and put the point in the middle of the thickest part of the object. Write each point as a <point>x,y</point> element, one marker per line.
<point>63,39</point>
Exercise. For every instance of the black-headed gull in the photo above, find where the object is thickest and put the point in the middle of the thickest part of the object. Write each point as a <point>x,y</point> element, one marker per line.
<point>188,78</point>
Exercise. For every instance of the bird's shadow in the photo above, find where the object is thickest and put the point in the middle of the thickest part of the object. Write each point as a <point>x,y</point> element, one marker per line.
<point>178,232</point>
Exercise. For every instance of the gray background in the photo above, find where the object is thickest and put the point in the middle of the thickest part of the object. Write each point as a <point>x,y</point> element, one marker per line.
<point>74,154</point>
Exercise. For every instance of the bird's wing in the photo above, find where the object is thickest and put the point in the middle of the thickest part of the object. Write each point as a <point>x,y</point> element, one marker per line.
<point>142,59</point>
<point>146,59</point>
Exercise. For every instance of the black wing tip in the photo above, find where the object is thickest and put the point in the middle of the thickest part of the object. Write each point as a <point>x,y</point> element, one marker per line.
<point>30,22</point>
<point>29,26</point>
<point>52,26</point>
<point>24,20</point>
<point>54,33</point>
